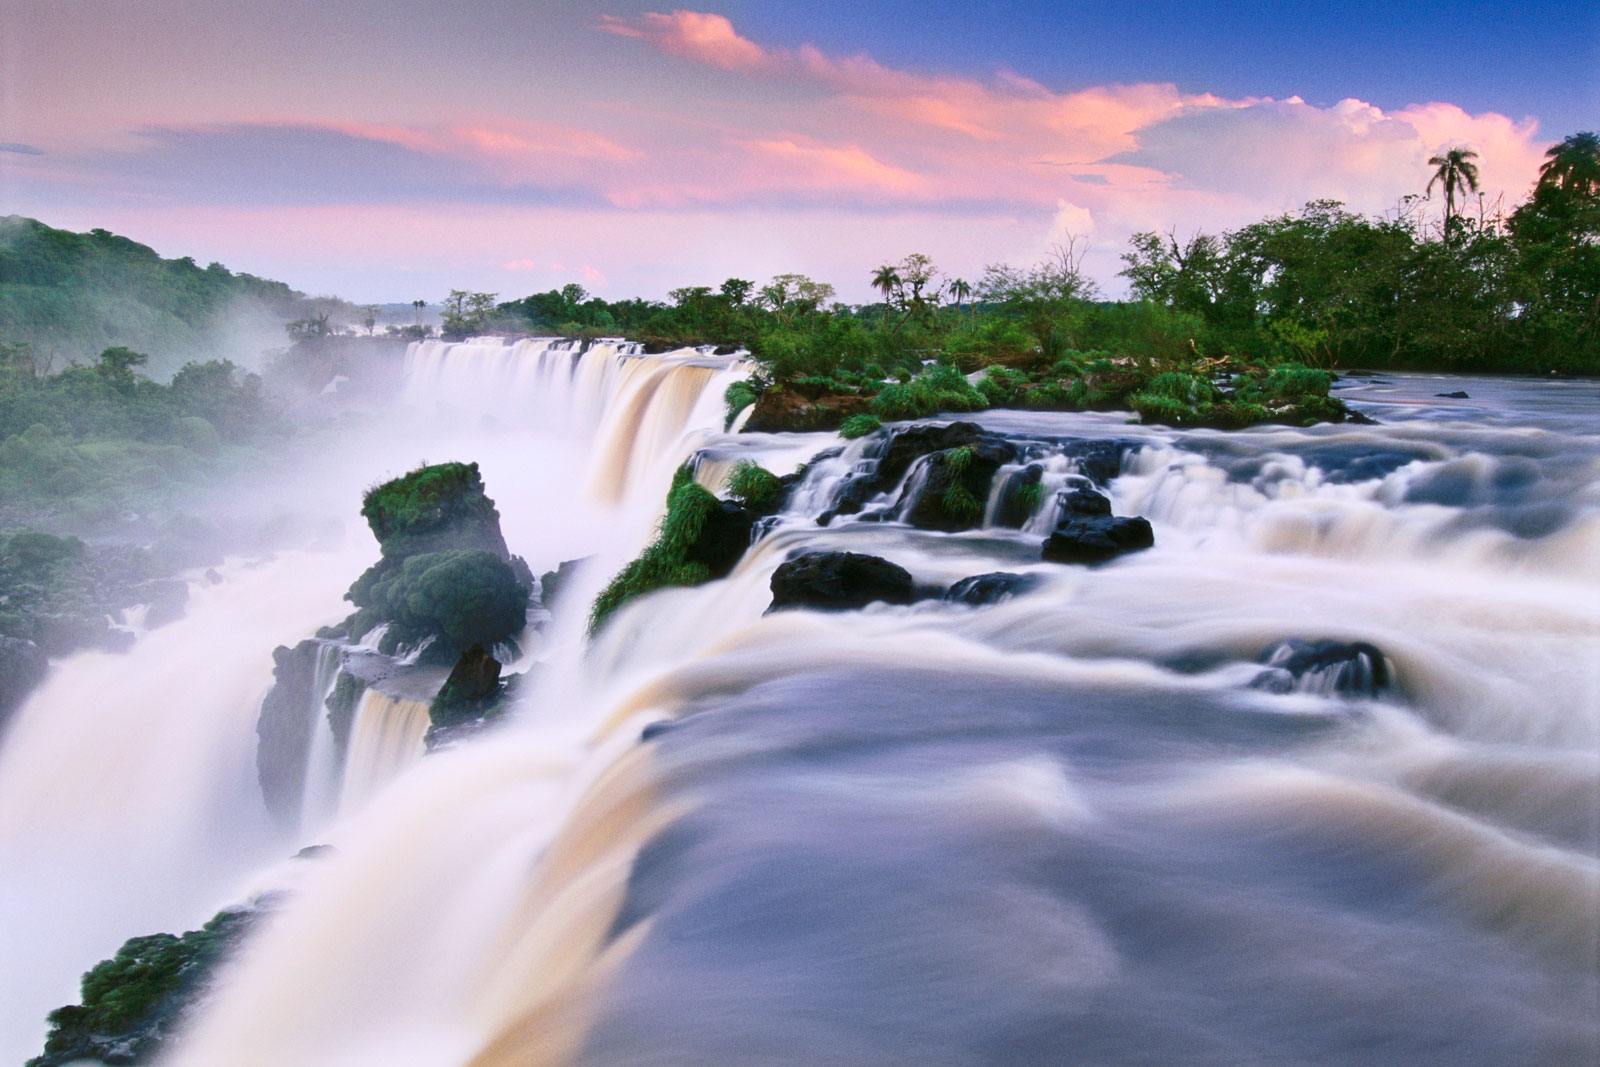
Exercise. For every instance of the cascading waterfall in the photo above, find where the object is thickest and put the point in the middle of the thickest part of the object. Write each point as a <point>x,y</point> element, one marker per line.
<point>1083,822</point>
<point>385,739</point>
<point>128,792</point>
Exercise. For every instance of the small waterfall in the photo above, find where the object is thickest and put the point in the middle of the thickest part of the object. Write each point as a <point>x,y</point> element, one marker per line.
<point>640,413</point>
<point>385,739</point>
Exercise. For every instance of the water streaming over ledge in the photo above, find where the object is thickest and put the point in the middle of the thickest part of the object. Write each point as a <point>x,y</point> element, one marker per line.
<point>1067,827</point>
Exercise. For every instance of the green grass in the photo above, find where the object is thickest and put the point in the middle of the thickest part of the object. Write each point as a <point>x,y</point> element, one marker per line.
<point>738,396</point>
<point>754,486</point>
<point>859,426</point>
<point>664,561</point>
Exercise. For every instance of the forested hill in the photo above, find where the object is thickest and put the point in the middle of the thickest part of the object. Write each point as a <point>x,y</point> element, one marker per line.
<point>70,295</point>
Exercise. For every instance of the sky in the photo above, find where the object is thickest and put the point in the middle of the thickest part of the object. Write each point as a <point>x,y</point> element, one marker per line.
<point>391,150</point>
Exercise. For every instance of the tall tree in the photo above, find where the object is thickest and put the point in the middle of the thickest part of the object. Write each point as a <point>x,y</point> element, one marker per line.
<point>1574,164</point>
<point>886,279</point>
<point>1456,174</point>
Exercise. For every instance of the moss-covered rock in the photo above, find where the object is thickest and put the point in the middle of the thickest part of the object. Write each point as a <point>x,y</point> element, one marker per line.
<point>445,572</point>
<point>433,509</point>
<point>133,1003</point>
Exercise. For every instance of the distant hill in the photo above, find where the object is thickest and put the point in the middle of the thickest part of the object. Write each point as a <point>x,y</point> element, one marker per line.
<point>70,295</point>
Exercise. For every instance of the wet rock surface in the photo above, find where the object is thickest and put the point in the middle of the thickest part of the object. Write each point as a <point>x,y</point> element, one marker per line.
<point>1096,539</point>
<point>284,728</point>
<point>23,666</point>
<point>990,588</point>
<point>839,581</point>
<point>1326,668</point>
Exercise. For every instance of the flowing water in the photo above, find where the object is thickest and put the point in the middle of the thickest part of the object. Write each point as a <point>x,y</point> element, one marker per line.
<point>1100,821</point>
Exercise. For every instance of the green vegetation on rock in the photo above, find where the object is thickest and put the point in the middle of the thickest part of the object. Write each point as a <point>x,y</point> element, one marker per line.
<point>445,572</point>
<point>665,561</point>
<point>132,1003</point>
<point>754,486</point>
<point>859,426</point>
<point>443,505</point>
<point>465,596</point>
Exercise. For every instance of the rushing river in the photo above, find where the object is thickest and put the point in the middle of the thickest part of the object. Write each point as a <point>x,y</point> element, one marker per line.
<point>1096,822</point>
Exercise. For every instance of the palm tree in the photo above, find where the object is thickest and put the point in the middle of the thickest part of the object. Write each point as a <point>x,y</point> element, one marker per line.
<point>961,290</point>
<point>1574,164</point>
<point>1456,174</point>
<point>886,280</point>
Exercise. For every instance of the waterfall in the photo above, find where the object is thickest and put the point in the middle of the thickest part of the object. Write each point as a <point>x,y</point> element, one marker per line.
<point>1331,742</point>
<point>128,792</point>
<point>385,739</point>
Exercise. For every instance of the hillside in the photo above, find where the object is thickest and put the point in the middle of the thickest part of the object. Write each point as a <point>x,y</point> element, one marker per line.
<point>70,295</point>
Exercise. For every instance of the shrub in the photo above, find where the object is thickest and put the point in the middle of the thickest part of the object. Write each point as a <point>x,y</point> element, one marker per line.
<point>664,562</point>
<point>859,426</point>
<point>740,395</point>
<point>465,596</point>
<point>754,486</point>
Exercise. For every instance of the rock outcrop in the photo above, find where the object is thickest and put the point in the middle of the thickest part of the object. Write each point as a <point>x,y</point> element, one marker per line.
<point>990,588</point>
<point>23,666</point>
<point>1326,668</point>
<point>839,581</point>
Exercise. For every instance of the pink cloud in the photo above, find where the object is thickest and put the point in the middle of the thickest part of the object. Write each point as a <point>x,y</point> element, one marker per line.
<point>697,35</point>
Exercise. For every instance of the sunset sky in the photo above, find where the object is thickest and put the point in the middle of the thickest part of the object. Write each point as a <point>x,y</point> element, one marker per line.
<point>388,150</point>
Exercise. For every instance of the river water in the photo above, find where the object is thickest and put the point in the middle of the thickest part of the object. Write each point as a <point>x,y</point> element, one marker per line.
<point>1092,823</point>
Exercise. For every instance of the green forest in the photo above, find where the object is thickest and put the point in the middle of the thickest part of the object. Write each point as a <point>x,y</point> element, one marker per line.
<point>70,295</point>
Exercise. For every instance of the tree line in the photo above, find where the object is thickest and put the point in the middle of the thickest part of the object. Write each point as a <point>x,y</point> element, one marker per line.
<point>1485,289</point>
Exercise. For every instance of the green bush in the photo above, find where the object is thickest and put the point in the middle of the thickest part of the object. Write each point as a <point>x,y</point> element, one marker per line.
<point>465,596</point>
<point>132,999</point>
<point>664,562</point>
<point>738,396</point>
<point>859,426</point>
<point>753,485</point>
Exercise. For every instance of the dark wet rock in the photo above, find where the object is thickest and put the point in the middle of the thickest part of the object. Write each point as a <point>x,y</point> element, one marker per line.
<point>1019,496</point>
<point>990,588</point>
<point>213,576</point>
<point>1097,539</point>
<point>23,666</point>
<point>851,496</point>
<point>1457,395</point>
<point>905,446</point>
<point>167,600</point>
<point>1099,461</point>
<point>1327,668</point>
<point>955,486</point>
<point>284,728</point>
<point>724,536</point>
<point>1359,418</point>
<point>1084,502</point>
<point>342,702</point>
<point>316,852</point>
<point>457,720</point>
<point>474,679</point>
<point>135,1003</point>
<point>656,729</point>
<point>839,581</point>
